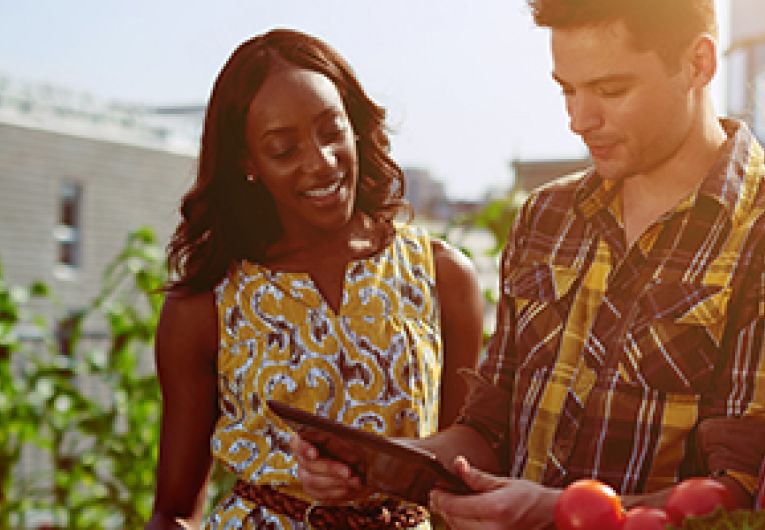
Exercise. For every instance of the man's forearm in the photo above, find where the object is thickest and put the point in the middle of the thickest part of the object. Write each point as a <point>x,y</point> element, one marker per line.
<point>658,499</point>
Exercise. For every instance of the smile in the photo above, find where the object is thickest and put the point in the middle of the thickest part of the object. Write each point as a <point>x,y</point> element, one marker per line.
<point>325,191</point>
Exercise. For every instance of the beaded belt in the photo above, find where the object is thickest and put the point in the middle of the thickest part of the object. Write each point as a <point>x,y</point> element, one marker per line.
<point>375,515</point>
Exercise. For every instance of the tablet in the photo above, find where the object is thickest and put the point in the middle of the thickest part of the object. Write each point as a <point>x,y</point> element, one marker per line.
<point>383,464</point>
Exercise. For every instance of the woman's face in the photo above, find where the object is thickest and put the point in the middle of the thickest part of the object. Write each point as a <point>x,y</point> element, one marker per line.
<point>302,147</point>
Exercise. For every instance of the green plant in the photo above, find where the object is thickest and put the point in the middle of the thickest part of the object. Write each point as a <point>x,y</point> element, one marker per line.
<point>496,218</point>
<point>86,401</point>
<point>722,520</point>
<point>19,416</point>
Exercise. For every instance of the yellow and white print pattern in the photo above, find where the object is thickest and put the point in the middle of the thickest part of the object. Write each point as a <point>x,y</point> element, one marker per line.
<point>375,364</point>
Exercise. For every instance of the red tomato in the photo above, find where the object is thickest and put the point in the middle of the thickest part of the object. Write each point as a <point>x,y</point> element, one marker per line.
<point>588,505</point>
<point>696,496</point>
<point>645,518</point>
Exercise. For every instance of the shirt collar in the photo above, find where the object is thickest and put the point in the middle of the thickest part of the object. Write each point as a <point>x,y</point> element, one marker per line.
<point>732,181</point>
<point>734,178</point>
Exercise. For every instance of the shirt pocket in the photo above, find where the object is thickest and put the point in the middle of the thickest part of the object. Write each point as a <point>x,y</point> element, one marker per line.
<point>538,296</point>
<point>673,344</point>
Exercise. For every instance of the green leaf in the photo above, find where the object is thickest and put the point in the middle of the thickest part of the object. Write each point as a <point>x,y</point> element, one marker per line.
<point>722,520</point>
<point>39,289</point>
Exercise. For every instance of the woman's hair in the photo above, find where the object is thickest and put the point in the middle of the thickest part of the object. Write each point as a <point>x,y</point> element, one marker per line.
<point>225,218</point>
<point>665,26</point>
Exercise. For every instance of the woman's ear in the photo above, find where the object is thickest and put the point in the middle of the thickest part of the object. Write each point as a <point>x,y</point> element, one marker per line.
<point>249,168</point>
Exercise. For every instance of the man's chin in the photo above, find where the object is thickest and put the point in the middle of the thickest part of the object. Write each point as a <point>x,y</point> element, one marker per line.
<point>609,171</point>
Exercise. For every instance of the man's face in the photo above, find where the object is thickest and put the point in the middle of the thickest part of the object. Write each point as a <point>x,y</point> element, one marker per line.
<point>632,113</point>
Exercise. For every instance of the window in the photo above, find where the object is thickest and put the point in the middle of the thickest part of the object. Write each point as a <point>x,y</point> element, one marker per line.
<point>737,82</point>
<point>758,92</point>
<point>759,105</point>
<point>68,231</point>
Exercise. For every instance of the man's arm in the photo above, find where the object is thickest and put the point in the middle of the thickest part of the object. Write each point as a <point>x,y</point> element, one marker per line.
<point>499,502</point>
<point>518,504</point>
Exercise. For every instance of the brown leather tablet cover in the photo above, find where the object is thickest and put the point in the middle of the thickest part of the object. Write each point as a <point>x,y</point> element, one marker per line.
<point>383,464</point>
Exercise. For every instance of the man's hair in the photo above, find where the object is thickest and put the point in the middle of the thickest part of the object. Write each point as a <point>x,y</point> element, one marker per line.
<point>665,26</point>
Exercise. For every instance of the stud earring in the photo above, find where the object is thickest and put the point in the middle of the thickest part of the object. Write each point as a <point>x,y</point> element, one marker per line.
<point>250,178</point>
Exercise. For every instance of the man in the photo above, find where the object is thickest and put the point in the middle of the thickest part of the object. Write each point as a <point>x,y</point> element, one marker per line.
<point>629,343</point>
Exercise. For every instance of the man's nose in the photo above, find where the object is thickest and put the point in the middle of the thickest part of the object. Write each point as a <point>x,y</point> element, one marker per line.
<point>585,114</point>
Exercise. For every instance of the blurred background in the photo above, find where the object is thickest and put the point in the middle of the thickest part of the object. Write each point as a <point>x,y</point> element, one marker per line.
<point>101,106</point>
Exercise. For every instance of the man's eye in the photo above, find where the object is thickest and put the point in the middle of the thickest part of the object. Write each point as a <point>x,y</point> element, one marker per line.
<point>612,92</point>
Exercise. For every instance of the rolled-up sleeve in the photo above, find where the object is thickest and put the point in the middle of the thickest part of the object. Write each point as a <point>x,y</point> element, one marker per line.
<point>486,410</point>
<point>733,446</point>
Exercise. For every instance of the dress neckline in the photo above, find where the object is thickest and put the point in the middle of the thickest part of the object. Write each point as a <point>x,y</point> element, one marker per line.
<point>284,279</point>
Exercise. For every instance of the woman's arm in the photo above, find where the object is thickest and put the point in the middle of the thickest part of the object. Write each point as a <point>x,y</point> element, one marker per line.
<point>461,303</point>
<point>186,350</point>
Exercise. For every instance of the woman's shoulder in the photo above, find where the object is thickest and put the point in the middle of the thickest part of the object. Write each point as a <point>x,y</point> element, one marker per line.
<point>188,327</point>
<point>451,263</point>
<point>188,308</point>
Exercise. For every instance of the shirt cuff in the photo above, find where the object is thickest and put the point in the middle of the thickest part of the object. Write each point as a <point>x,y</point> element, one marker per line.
<point>486,409</point>
<point>734,447</point>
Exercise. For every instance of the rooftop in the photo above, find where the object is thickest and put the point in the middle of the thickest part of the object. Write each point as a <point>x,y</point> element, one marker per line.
<point>57,109</point>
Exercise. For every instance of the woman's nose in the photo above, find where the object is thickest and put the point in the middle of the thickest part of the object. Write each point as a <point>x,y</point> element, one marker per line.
<point>318,158</point>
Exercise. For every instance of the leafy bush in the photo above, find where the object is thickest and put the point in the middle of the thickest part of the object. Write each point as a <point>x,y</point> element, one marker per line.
<point>84,404</point>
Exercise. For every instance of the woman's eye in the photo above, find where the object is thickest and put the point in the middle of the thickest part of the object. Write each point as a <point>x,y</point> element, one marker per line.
<point>283,152</point>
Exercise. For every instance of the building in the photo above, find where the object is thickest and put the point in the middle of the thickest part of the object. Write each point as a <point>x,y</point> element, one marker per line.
<point>530,174</point>
<point>746,64</point>
<point>76,176</point>
<point>426,194</point>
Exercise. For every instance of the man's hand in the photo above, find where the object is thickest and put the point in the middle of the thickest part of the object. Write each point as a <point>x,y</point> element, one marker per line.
<point>327,481</point>
<point>500,502</point>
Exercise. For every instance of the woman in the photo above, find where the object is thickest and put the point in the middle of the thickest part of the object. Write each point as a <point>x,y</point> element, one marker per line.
<point>294,282</point>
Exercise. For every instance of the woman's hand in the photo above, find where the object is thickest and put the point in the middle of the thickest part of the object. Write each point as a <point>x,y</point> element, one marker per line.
<point>499,502</point>
<point>327,481</point>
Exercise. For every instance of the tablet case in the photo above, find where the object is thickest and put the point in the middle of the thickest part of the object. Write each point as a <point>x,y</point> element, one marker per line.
<point>383,464</point>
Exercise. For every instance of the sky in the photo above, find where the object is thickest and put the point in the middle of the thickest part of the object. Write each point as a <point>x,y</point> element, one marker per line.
<point>467,85</point>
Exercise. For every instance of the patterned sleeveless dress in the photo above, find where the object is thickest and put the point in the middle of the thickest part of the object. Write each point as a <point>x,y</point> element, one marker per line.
<point>376,364</point>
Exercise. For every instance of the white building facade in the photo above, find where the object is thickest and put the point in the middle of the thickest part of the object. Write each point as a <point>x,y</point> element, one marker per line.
<point>76,176</point>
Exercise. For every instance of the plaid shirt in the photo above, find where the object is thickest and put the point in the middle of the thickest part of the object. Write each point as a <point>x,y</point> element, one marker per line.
<point>636,366</point>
